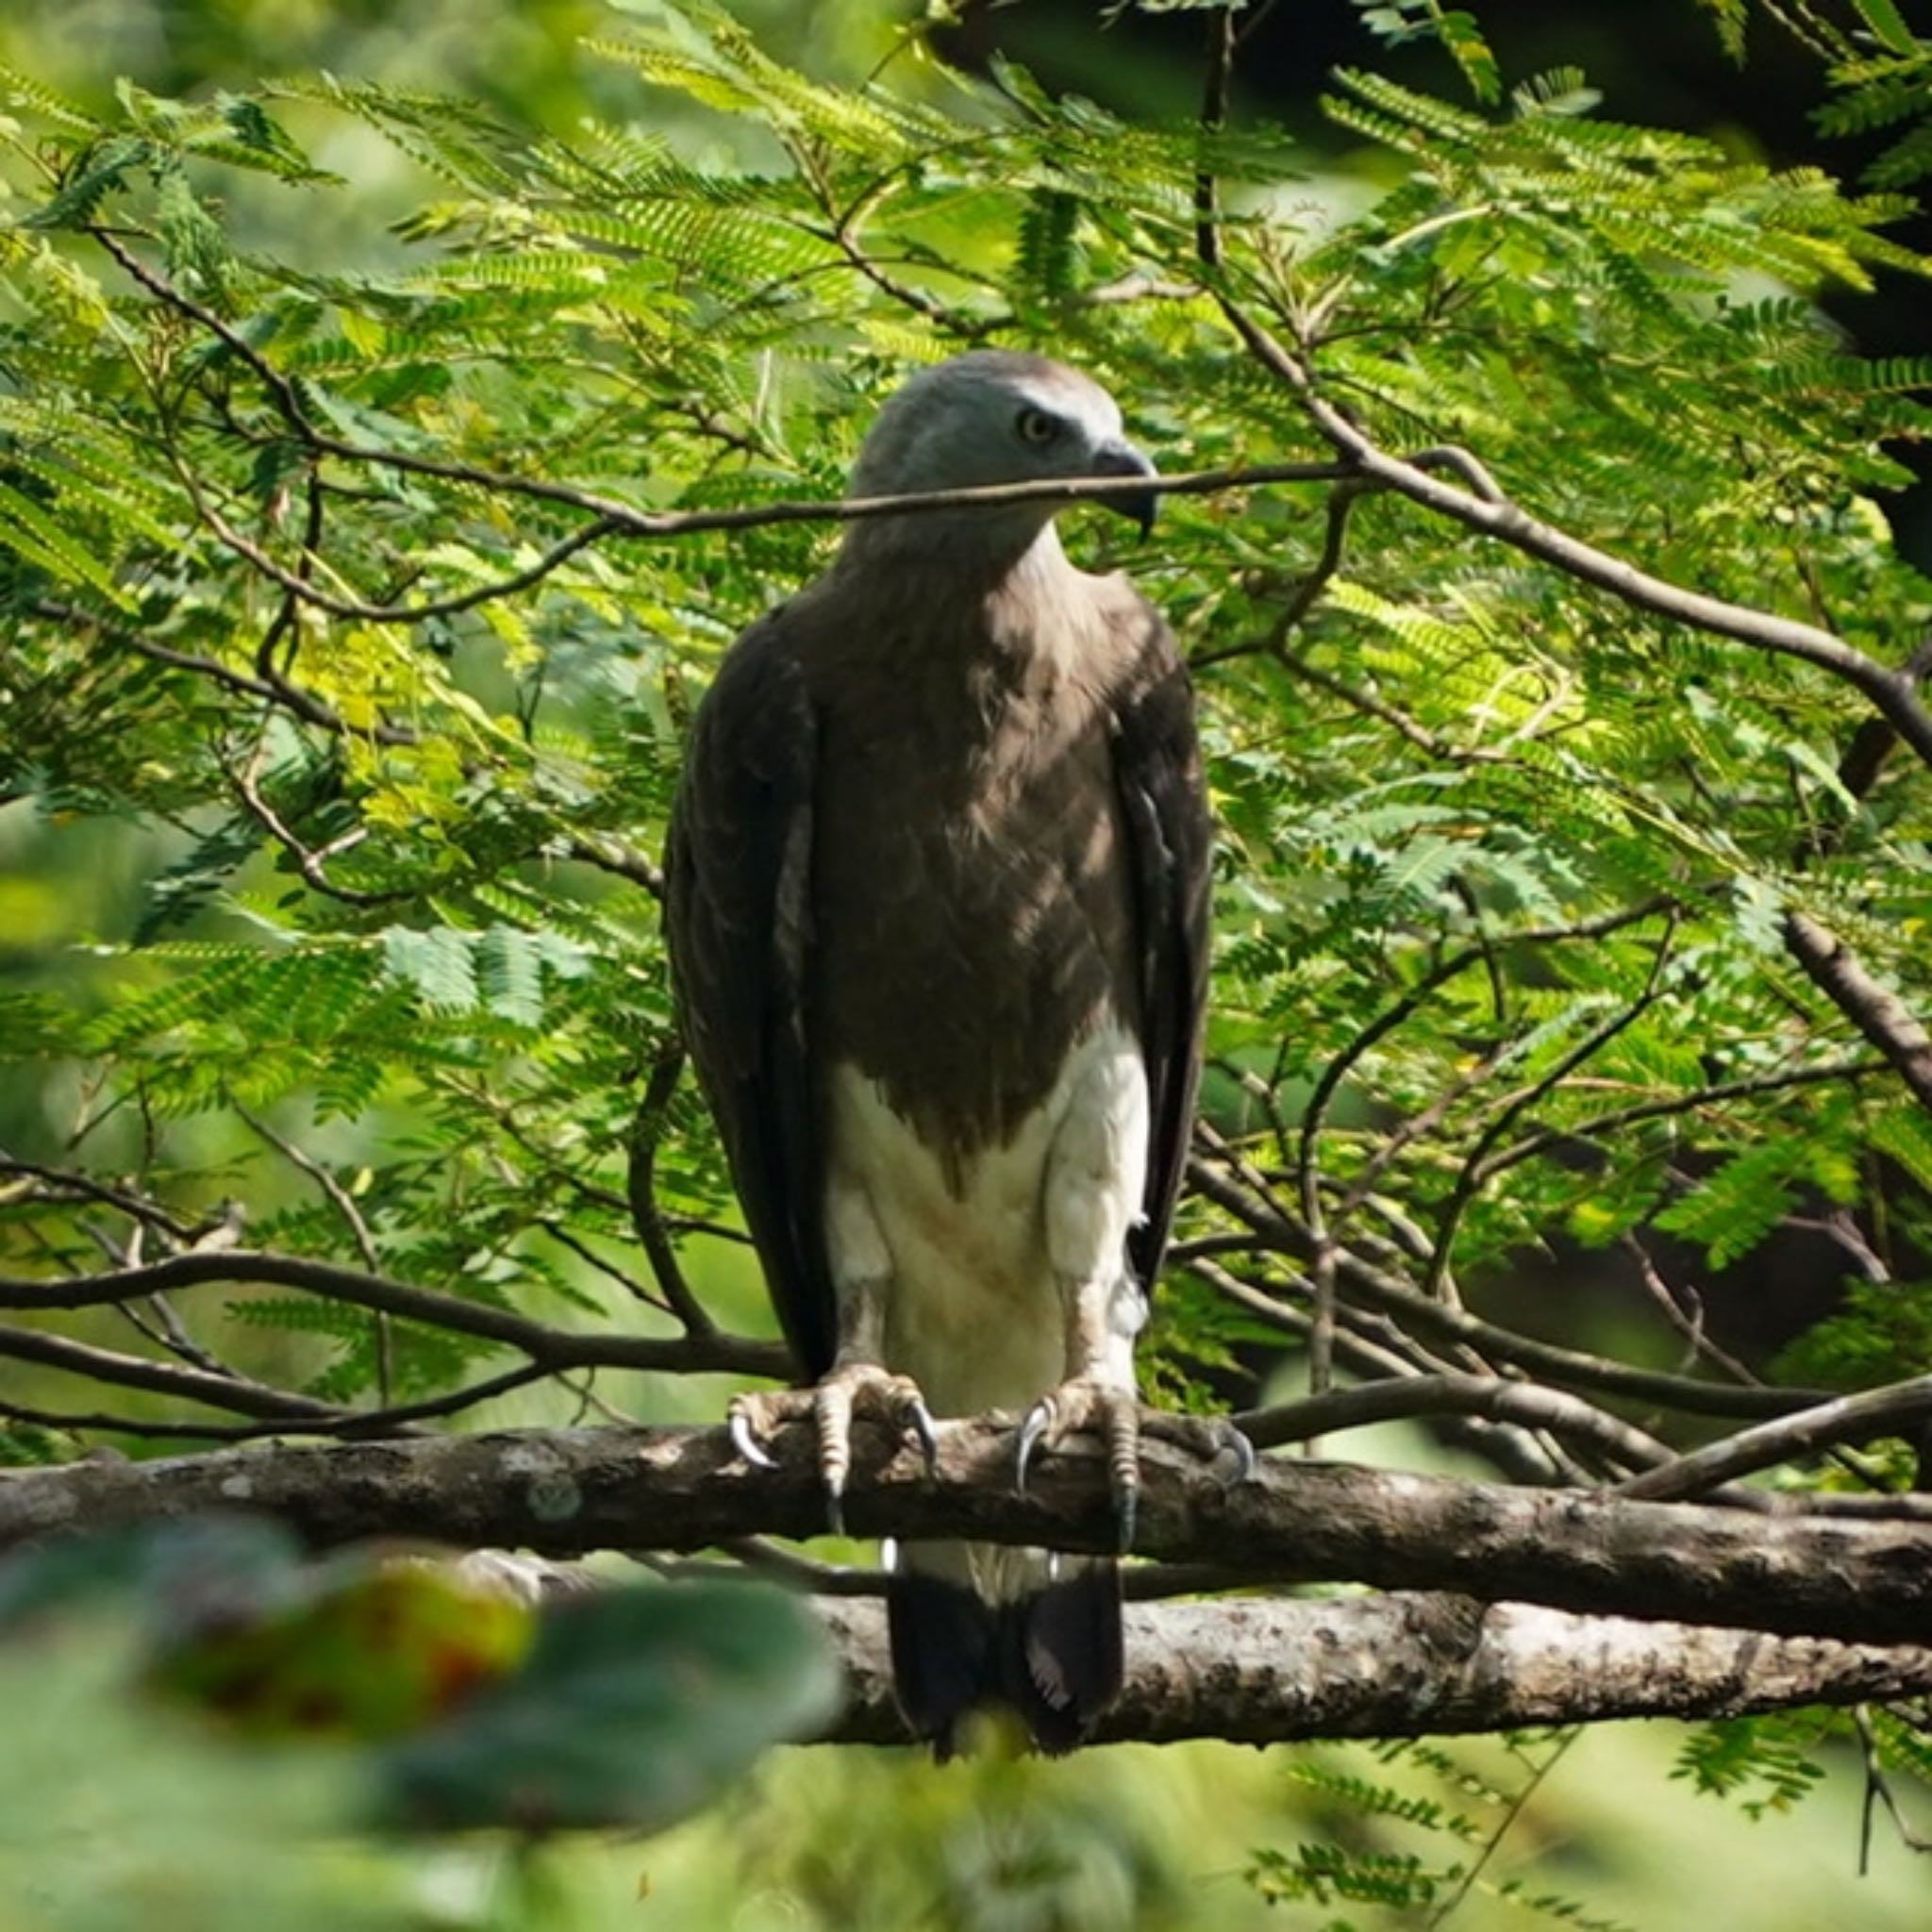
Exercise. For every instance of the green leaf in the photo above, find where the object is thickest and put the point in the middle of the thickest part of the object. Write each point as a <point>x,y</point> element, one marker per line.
<point>1733,1212</point>
<point>1888,24</point>
<point>440,964</point>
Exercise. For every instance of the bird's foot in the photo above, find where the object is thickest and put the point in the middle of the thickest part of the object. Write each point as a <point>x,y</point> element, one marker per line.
<point>1085,1405</point>
<point>1212,1438</point>
<point>858,1389</point>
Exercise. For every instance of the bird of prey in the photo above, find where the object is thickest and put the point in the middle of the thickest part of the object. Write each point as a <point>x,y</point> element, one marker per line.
<point>937,899</point>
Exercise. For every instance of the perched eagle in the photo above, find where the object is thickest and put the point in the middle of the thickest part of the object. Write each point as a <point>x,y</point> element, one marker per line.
<point>937,896</point>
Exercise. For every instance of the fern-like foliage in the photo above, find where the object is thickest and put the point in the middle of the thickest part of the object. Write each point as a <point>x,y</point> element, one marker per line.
<point>345,690</point>
<point>1420,1837</point>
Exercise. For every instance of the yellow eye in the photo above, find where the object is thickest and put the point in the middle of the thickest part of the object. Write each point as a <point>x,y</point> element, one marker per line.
<point>1037,428</point>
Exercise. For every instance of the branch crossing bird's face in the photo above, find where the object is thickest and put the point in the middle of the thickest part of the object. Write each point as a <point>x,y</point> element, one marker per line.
<point>995,416</point>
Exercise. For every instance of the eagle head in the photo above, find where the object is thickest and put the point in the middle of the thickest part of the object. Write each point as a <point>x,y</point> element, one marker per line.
<point>998,416</point>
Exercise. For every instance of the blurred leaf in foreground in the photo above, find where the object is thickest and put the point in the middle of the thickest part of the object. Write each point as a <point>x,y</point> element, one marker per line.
<point>636,1706</point>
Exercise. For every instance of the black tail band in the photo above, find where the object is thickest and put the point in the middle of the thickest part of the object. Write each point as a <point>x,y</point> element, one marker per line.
<point>1053,1656</point>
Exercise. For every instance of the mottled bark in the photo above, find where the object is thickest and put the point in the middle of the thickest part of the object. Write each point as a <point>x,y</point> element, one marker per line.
<point>565,1492</point>
<point>1260,1671</point>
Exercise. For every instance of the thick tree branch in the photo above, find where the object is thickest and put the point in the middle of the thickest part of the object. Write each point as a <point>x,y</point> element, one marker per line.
<point>1262,1671</point>
<point>565,1492</point>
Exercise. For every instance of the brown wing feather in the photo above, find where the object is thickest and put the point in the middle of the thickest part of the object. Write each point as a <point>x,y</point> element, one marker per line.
<point>738,922</point>
<point>1170,832</point>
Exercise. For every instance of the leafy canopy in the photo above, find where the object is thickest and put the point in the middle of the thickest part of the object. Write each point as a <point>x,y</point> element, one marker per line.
<point>354,625</point>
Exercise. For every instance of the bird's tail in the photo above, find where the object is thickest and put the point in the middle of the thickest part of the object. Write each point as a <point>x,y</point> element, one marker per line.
<point>1052,1652</point>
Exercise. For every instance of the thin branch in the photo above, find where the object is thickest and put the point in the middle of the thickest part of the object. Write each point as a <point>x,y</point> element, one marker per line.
<point>312,865</point>
<point>1874,1010</point>
<point>1878,1790</point>
<point>647,1129</point>
<point>1315,1113</point>
<point>136,1207</point>
<point>1221,51</point>
<point>301,586</point>
<point>1890,1410</point>
<point>350,1215</point>
<point>623,520</point>
<point>551,1348</point>
<point>1488,1396</point>
<point>614,855</point>
<point>1361,1354</point>
<point>234,1393</point>
<point>287,622</point>
<point>279,692</point>
<point>1688,1321</point>
<point>1870,745</point>
<point>1547,1361</point>
<point>1469,1182</point>
<point>1405,1132</point>
<point>1302,600</point>
<point>1892,692</point>
<point>1399,721</point>
<point>1604,1126</point>
<point>341,1422</point>
<point>332,1189</point>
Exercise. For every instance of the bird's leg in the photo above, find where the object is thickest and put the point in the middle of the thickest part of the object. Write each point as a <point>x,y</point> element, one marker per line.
<point>1093,1188</point>
<point>858,1383</point>
<point>1094,1181</point>
<point>1098,1397</point>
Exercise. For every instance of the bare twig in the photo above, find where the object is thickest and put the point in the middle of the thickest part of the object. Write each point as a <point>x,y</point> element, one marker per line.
<point>1878,1790</point>
<point>1221,52</point>
<point>647,1129</point>
<point>1847,1419</point>
<point>1488,1396</point>
<point>1604,1126</point>
<point>615,857</point>
<point>1547,1361</point>
<point>551,1348</point>
<point>1470,1180</point>
<point>234,1393</point>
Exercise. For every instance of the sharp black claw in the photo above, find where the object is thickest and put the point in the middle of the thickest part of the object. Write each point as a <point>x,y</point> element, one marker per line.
<point>748,1446</point>
<point>929,1436</point>
<point>1245,1459</point>
<point>1038,1418</point>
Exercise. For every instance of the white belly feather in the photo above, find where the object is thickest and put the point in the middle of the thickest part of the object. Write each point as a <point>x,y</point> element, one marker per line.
<point>982,1293</point>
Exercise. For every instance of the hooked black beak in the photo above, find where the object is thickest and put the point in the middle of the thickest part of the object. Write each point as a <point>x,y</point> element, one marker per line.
<point>1123,459</point>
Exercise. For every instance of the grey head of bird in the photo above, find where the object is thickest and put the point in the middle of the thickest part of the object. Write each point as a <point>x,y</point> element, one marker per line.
<point>988,417</point>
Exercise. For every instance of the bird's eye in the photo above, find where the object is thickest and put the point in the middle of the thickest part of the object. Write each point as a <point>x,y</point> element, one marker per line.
<point>1037,428</point>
